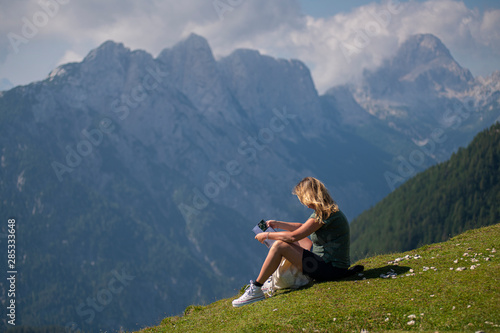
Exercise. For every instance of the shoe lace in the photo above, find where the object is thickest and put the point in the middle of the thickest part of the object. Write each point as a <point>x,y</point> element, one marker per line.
<point>248,287</point>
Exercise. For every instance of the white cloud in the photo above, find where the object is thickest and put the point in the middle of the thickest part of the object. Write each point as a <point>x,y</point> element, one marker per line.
<point>70,56</point>
<point>339,48</point>
<point>489,32</point>
<point>336,49</point>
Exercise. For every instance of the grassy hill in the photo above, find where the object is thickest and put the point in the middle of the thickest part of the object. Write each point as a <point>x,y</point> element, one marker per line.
<point>450,286</point>
<point>445,200</point>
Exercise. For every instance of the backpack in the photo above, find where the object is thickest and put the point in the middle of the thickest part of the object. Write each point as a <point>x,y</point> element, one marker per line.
<point>286,276</point>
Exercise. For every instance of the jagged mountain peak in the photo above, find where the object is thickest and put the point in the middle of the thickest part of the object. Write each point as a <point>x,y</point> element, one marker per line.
<point>193,70</point>
<point>252,56</point>
<point>113,55</point>
<point>420,49</point>
<point>194,45</point>
<point>422,63</point>
<point>108,50</point>
<point>411,90</point>
<point>424,57</point>
<point>257,81</point>
<point>105,70</point>
<point>109,54</point>
<point>190,55</point>
<point>244,54</point>
<point>196,40</point>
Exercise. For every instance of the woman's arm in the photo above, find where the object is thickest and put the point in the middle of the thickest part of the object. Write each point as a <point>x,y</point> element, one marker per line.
<point>310,226</point>
<point>290,226</point>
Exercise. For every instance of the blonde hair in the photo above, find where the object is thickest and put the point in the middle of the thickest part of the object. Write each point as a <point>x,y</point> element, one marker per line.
<point>311,191</point>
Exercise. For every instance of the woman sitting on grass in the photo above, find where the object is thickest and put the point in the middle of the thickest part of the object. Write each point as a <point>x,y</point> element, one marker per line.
<point>328,227</point>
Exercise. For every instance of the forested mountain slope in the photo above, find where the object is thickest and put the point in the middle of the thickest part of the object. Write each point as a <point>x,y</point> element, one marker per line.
<point>445,200</point>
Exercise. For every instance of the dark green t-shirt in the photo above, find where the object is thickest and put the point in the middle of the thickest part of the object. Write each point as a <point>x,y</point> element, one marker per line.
<point>331,241</point>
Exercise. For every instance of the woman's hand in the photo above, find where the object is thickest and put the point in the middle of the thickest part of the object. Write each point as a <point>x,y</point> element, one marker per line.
<point>261,237</point>
<point>272,224</point>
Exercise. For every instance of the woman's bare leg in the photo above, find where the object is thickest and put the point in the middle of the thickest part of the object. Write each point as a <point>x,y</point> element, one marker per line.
<point>305,243</point>
<point>290,251</point>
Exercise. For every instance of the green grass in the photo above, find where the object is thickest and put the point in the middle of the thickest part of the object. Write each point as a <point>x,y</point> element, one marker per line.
<point>440,299</point>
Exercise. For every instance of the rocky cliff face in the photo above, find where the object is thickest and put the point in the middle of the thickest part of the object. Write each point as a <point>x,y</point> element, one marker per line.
<point>420,91</point>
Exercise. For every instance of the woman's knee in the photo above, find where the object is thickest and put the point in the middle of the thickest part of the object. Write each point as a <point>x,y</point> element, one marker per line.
<point>279,244</point>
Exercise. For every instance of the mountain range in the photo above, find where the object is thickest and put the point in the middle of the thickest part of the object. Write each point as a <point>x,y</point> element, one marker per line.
<point>135,177</point>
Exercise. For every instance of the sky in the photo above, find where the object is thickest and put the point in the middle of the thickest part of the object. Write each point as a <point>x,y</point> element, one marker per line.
<point>337,40</point>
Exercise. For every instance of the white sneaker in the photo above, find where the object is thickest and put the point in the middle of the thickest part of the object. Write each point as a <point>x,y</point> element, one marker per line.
<point>268,287</point>
<point>252,294</point>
